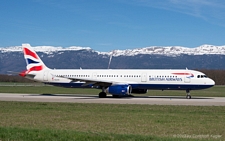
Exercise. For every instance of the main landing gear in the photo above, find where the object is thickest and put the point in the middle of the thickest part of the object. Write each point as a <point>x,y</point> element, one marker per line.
<point>102,94</point>
<point>188,95</point>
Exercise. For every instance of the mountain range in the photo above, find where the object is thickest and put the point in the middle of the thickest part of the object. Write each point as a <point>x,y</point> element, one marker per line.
<point>157,57</point>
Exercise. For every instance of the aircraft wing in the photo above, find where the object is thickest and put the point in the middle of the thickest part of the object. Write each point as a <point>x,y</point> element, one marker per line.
<point>94,82</point>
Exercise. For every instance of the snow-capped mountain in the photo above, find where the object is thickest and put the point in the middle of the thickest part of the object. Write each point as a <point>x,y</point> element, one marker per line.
<point>44,49</point>
<point>172,50</point>
<point>173,57</point>
<point>157,50</point>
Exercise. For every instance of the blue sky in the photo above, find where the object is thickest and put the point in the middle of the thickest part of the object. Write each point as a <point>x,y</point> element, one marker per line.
<point>106,25</point>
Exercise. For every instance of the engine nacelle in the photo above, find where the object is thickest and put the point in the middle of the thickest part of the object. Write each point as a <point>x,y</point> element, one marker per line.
<point>139,91</point>
<point>119,89</point>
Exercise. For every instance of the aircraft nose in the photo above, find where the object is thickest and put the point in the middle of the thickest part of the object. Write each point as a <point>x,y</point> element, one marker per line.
<point>212,82</point>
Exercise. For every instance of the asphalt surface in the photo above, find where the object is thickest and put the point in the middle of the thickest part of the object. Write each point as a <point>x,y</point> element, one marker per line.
<point>150,100</point>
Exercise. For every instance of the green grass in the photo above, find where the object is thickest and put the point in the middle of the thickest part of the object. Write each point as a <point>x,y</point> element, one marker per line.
<point>216,91</point>
<point>21,84</point>
<point>65,135</point>
<point>74,121</point>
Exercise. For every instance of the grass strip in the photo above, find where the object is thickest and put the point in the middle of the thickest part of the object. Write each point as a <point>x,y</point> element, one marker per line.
<point>114,121</point>
<point>10,133</point>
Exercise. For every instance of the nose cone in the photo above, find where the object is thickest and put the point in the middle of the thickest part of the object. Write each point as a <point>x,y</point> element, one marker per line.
<point>211,82</point>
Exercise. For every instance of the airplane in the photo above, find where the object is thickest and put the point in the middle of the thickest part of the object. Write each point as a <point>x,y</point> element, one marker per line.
<point>117,82</point>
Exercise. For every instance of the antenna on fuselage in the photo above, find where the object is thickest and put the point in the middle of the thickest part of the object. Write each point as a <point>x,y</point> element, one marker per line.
<point>110,59</point>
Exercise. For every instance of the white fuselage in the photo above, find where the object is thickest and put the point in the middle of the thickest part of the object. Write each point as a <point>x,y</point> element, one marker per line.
<point>138,78</point>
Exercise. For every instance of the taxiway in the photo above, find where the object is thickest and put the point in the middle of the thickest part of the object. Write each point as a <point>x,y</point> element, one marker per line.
<point>151,100</point>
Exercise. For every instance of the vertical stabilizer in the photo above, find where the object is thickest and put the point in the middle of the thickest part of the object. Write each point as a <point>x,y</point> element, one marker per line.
<point>34,63</point>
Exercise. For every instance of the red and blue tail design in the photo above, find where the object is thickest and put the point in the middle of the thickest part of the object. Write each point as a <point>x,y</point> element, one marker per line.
<point>34,63</point>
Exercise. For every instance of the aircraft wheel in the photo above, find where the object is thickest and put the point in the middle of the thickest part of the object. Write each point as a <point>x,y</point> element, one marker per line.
<point>188,96</point>
<point>102,95</point>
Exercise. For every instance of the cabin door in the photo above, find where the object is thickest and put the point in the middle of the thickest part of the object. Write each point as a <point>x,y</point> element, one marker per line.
<point>45,77</point>
<point>94,75</point>
<point>187,79</point>
<point>144,77</point>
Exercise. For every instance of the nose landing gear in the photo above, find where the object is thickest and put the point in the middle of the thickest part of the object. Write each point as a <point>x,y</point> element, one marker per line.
<point>188,95</point>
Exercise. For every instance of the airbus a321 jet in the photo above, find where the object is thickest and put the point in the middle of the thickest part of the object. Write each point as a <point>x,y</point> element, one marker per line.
<point>117,82</point>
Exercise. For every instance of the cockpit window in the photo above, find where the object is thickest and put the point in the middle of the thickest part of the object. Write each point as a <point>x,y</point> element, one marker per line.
<point>202,76</point>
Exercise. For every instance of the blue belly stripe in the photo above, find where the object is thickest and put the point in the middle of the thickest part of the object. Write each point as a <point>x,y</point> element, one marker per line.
<point>141,86</point>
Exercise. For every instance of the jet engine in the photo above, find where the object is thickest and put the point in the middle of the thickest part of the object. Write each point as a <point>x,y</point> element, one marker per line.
<point>119,89</point>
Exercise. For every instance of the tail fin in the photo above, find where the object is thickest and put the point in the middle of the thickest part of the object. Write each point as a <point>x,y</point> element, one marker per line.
<point>34,63</point>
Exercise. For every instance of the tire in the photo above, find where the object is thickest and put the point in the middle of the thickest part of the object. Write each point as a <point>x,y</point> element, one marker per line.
<point>188,97</point>
<point>102,95</point>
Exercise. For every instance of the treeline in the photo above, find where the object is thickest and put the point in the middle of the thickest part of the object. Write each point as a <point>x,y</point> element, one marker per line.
<point>217,75</point>
<point>14,78</point>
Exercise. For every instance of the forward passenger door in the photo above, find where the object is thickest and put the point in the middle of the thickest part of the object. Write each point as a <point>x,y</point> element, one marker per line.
<point>144,77</point>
